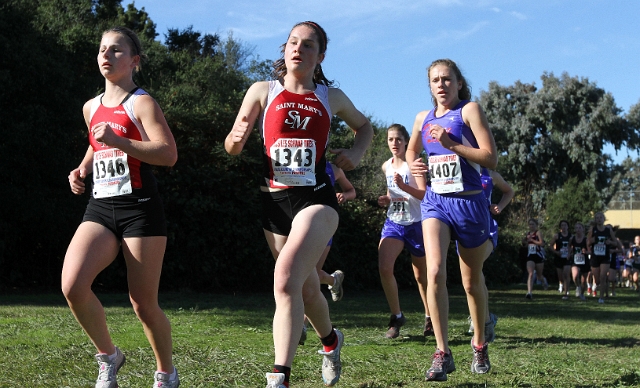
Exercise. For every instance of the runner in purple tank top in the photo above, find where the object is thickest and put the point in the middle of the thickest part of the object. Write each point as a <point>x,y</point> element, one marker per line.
<point>457,140</point>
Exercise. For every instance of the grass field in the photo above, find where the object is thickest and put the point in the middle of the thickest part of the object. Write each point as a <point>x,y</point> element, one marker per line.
<point>225,341</point>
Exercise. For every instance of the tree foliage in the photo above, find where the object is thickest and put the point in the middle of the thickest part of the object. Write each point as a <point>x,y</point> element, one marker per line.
<point>549,135</point>
<point>550,140</point>
<point>575,201</point>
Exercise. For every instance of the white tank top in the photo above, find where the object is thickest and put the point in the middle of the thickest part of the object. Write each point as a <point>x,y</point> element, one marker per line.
<point>404,208</point>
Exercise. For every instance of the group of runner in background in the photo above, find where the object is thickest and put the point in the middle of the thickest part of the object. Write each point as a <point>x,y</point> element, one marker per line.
<point>593,259</point>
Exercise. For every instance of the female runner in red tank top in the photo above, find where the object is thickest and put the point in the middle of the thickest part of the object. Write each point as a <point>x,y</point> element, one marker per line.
<point>127,134</point>
<point>294,116</point>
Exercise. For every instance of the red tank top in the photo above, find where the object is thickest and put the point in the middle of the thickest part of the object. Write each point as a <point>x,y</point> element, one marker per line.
<point>124,124</point>
<point>295,134</point>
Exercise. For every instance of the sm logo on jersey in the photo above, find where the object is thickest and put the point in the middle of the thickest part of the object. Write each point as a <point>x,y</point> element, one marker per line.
<point>296,121</point>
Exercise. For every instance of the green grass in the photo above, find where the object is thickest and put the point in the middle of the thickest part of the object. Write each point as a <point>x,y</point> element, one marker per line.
<point>225,341</point>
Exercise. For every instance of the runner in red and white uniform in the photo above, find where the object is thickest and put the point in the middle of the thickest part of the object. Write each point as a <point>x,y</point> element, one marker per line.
<point>127,134</point>
<point>299,203</point>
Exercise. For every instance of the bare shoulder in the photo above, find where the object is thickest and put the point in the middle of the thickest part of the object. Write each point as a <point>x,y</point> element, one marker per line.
<point>259,87</point>
<point>86,111</point>
<point>472,110</point>
<point>422,115</point>
<point>338,100</point>
<point>257,93</point>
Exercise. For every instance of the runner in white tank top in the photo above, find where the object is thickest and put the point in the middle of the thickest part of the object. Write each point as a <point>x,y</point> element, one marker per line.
<point>402,229</point>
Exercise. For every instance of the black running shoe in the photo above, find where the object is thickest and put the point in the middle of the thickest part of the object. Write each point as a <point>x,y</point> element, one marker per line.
<point>395,324</point>
<point>428,327</point>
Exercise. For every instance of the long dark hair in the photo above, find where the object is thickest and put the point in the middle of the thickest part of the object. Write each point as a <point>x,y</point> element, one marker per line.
<point>279,67</point>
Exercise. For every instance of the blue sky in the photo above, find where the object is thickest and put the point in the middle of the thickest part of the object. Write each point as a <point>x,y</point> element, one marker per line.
<point>379,49</point>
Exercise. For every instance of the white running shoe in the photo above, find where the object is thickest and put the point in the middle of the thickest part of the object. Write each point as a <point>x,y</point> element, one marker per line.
<point>578,291</point>
<point>163,380</point>
<point>336,290</point>
<point>560,288</point>
<point>275,380</point>
<point>108,369</point>
<point>331,364</point>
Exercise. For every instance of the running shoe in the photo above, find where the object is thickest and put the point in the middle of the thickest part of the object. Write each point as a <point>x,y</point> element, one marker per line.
<point>601,301</point>
<point>545,284</point>
<point>395,324</point>
<point>480,363</point>
<point>441,364</point>
<point>560,288</point>
<point>163,380</point>
<point>490,328</point>
<point>303,335</point>
<point>565,297</point>
<point>589,290</point>
<point>428,327</point>
<point>108,369</point>
<point>331,365</point>
<point>275,380</point>
<point>582,297</point>
<point>578,291</point>
<point>336,290</point>
<point>529,295</point>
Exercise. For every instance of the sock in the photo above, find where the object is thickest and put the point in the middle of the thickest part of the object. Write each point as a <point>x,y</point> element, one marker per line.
<point>283,369</point>
<point>399,315</point>
<point>330,342</point>
<point>427,316</point>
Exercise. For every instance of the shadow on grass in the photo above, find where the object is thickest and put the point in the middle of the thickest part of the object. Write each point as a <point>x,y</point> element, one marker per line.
<point>369,309</point>
<point>513,342</point>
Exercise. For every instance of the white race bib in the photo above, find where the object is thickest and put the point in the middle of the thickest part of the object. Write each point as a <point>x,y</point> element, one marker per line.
<point>564,252</point>
<point>599,249</point>
<point>110,173</point>
<point>578,259</point>
<point>533,249</point>
<point>446,174</point>
<point>400,210</point>
<point>294,162</point>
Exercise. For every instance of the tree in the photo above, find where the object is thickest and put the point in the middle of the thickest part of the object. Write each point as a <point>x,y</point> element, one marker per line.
<point>575,201</point>
<point>44,134</point>
<point>549,135</point>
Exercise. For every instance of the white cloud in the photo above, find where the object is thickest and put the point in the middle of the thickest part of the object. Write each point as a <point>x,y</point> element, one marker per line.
<point>519,15</point>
